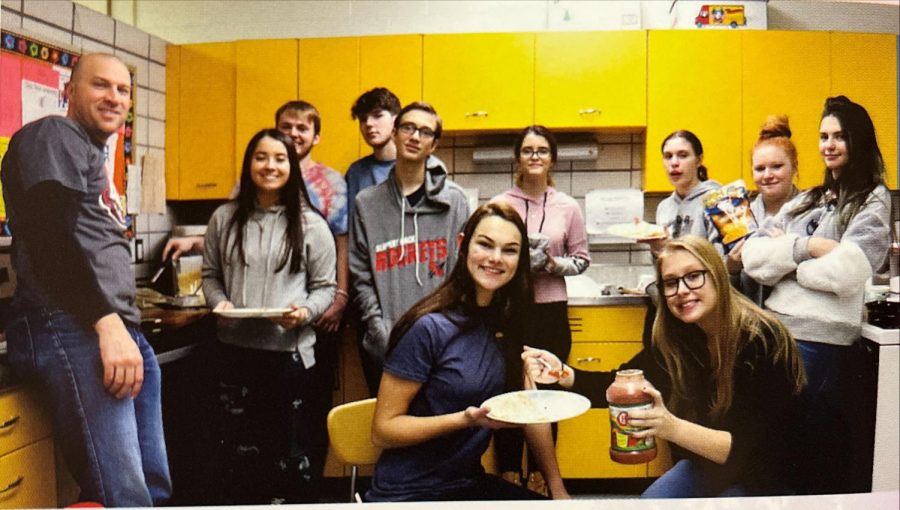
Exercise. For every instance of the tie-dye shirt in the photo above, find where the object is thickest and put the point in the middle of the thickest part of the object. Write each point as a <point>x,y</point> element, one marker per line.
<point>328,194</point>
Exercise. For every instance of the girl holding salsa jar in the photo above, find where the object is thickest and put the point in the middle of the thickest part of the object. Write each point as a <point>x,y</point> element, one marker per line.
<point>727,378</point>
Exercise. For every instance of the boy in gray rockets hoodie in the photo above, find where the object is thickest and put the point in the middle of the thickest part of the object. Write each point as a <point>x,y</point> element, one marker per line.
<point>403,233</point>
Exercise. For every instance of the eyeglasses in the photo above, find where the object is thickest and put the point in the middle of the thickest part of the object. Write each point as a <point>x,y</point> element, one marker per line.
<point>542,152</point>
<point>693,281</point>
<point>408,128</point>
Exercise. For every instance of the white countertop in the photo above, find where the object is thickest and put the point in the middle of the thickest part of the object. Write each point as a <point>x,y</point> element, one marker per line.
<point>881,336</point>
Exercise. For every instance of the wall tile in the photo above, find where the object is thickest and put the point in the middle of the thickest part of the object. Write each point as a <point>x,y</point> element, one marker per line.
<point>9,19</point>
<point>462,160</point>
<point>493,168</point>
<point>140,101</point>
<point>132,39</point>
<point>153,246</point>
<point>613,138</point>
<point>610,257</point>
<point>637,156</point>
<point>94,25</point>
<point>158,49</point>
<point>637,179</point>
<point>87,45</point>
<point>140,65</point>
<point>141,130</point>
<point>46,33</point>
<point>141,224</point>
<point>15,5</point>
<point>144,270</point>
<point>642,257</point>
<point>139,152</point>
<point>157,133</point>
<point>445,154</point>
<point>563,182</point>
<point>157,77</point>
<point>157,105</point>
<point>51,11</point>
<point>593,180</point>
<point>580,201</point>
<point>488,185</point>
<point>159,223</point>
<point>614,157</point>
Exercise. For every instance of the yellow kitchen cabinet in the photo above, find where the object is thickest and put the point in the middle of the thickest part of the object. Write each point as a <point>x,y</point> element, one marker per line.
<point>27,466</point>
<point>582,445</point>
<point>864,68</point>
<point>590,79</point>
<point>606,323</point>
<point>200,122</point>
<point>265,79</point>
<point>329,79</point>
<point>694,83</point>
<point>480,81</point>
<point>394,62</point>
<point>785,73</point>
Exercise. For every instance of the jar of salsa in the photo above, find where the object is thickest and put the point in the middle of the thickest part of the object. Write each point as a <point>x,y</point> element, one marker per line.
<point>624,395</point>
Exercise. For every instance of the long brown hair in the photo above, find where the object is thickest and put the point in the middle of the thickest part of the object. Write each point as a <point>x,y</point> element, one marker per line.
<point>458,291</point>
<point>739,321</point>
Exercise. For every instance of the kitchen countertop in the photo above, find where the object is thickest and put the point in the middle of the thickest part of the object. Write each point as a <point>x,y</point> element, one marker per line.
<point>171,332</point>
<point>881,336</point>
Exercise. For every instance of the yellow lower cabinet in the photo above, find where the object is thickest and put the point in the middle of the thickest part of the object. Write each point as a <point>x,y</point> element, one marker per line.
<point>27,477</point>
<point>22,420</point>
<point>623,323</point>
<point>582,449</point>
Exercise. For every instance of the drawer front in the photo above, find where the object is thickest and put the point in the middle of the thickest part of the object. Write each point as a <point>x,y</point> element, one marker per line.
<point>601,356</point>
<point>22,420</point>
<point>28,477</point>
<point>606,323</point>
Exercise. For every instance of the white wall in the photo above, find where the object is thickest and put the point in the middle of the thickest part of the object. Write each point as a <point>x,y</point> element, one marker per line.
<point>188,21</point>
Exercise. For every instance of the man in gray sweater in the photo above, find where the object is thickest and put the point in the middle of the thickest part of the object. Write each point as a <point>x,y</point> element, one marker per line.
<point>403,234</point>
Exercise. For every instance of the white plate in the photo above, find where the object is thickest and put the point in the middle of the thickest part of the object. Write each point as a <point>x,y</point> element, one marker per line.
<point>536,406</point>
<point>642,230</point>
<point>252,313</point>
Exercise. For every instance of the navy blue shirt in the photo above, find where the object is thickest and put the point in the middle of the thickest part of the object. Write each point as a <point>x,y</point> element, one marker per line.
<point>458,366</point>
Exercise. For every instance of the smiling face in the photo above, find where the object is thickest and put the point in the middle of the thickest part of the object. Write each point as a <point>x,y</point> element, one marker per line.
<point>833,145</point>
<point>493,256</point>
<point>414,146</point>
<point>270,169</point>
<point>681,164</point>
<point>99,95</point>
<point>773,173</point>
<point>535,158</point>
<point>376,127</point>
<point>300,127</point>
<point>692,306</point>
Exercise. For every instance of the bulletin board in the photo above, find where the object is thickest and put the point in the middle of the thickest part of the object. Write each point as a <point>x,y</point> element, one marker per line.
<point>32,77</point>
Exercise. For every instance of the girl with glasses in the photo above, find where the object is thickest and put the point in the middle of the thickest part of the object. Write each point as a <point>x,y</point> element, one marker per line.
<point>558,244</point>
<point>727,378</point>
<point>450,352</point>
<point>829,240</point>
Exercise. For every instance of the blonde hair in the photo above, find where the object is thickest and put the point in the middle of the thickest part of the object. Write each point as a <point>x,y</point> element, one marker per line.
<point>776,131</point>
<point>739,322</point>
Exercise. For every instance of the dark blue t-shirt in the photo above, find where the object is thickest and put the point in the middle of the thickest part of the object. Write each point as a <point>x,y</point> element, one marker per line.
<point>458,366</point>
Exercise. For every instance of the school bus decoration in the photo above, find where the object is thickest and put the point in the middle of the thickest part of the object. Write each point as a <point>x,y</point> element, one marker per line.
<point>732,15</point>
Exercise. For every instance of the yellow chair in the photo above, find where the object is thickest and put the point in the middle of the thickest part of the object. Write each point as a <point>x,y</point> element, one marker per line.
<point>350,434</point>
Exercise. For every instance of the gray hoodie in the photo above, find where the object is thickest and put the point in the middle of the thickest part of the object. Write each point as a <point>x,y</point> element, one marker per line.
<point>400,253</point>
<point>686,215</point>
<point>255,285</point>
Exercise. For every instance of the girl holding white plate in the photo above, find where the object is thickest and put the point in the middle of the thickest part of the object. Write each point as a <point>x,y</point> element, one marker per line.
<point>727,379</point>
<point>452,351</point>
<point>268,248</point>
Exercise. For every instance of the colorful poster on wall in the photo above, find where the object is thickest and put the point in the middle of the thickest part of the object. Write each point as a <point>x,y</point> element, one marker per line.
<point>33,76</point>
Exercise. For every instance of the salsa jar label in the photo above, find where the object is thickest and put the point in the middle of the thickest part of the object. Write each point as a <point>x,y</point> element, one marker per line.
<point>621,438</point>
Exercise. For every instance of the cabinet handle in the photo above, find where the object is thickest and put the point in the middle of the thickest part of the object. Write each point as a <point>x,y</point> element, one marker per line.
<point>479,113</point>
<point>588,111</point>
<point>10,422</point>
<point>205,185</point>
<point>18,481</point>
<point>587,359</point>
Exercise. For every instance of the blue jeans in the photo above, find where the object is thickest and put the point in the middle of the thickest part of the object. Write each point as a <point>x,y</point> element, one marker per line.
<point>685,480</point>
<point>114,448</point>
